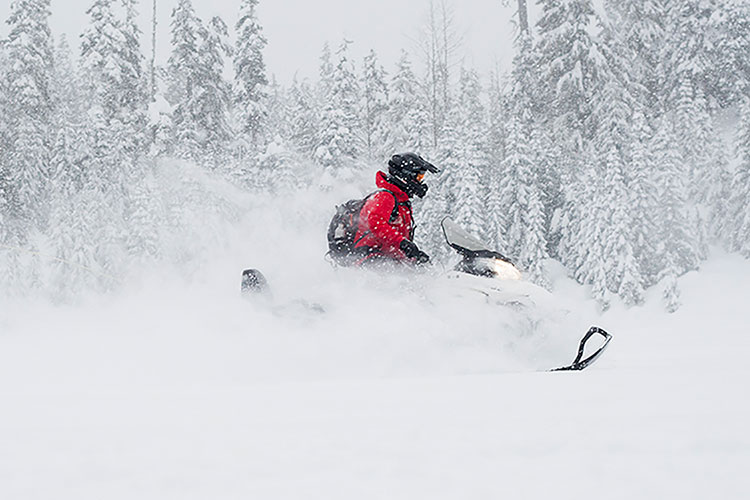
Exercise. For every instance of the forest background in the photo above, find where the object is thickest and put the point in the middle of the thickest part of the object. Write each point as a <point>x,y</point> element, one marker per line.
<point>618,143</point>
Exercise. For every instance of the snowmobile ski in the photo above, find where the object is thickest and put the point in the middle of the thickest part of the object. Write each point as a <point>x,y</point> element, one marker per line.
<point>579,364</point>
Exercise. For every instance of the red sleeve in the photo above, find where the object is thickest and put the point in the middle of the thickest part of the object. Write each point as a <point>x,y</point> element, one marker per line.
<point>377,211</point>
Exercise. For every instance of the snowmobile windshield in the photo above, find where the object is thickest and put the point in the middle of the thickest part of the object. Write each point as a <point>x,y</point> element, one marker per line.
<point>466,244</point>
<point>457,237</point>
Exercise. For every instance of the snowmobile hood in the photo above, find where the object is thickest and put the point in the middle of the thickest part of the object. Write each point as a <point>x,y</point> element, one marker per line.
<point>381,180</point>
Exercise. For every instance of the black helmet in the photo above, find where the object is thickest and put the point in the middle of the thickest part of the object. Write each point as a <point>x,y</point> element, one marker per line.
<point>407,171</point>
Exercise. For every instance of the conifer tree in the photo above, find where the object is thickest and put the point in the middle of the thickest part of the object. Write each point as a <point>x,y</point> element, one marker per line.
<point>567,66</point>
<point>645,203</point>
<point>614,108</point>
<point>407,119</point>
<point>213,99</point>
<point>569,62</point>
<point>111,54</point>
<point>29,109</point>
<point>71,226</point>
<point>280,122</point>
<point>442,199</point>
<point>339,143</point>
<point>133,85</point>
<point>732,52</point>
<point>587,260</point>
<point>696,138</point>
<point>325,72</point>
<point>677,245</point>
<point>622,271</point>
<point>184,73</point>
<point>100,43</point>
<point>528,184</point>
<point>115,129</point>
<point>498,104</point>
<point>739,203</point>
<point>692,48</point>
<point>118,95</point>
<point>522,219</point>
<point>68,99</point>
<point>4,143</point>
<point>374,106</point>
<point>250,71</point>
<point>639,30</point>
<point>303,116</point>
<point>472,132</point>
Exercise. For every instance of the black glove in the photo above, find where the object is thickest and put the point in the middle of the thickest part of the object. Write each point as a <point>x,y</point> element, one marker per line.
<point>413,252</point>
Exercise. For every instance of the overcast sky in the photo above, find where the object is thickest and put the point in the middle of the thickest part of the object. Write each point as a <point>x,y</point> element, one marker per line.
<point>297,29</point>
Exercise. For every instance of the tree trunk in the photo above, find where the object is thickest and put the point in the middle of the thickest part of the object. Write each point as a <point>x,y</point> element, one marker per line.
<point>523,19</point>
<point>153,54</point>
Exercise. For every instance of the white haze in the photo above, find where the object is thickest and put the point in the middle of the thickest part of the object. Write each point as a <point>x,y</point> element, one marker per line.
<point>297,29</point>
<point>176,387</point>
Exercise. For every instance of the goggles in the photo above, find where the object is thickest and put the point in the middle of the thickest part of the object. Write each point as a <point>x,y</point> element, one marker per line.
<point>420,176</point>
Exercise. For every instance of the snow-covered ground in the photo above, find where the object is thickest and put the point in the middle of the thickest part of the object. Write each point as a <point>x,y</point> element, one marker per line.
<point>347,384</point>
<point>167,391</point>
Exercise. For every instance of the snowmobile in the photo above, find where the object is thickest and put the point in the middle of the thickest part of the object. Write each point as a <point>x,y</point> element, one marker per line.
<point>494,276</point>
<point>485,273</point>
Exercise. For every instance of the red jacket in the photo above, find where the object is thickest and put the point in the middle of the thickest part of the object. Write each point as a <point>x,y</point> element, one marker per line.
<point>376,229</point>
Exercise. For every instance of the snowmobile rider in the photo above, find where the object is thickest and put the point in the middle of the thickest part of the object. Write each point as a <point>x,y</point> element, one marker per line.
<point>386,225</point>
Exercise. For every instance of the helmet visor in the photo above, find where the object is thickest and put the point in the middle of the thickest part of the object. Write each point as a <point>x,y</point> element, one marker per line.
<point>420,176</point>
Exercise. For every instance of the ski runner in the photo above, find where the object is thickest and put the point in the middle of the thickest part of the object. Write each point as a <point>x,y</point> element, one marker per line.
<point>386,226</point>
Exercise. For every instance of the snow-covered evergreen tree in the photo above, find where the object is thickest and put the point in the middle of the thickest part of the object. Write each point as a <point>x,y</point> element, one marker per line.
<point>614,110</point>
<point>325,72</point>
<point>4,142</point>
<point>374,106</point>
<point>739,203</point>
<point>133,92</point>
<point>134,82</point>
<point>111,55</point>
<point>522,216</point>
<point>639,30</point>
<point>303,116</point>
<point>567,69</point>
<point>622,270</point>
<point>442,198</point>
<point>567,57</point>
<point>213,99</point>
<point>72,197</point>
<point>29,108</point>
<point>407,119</point>
<point>100,43</point>
<point>69,103</point>
<point>339,141</point>
<point>732,51</point>
<point>498,104</point>
<point>280,122</point>
<point>497,132</point>
<point>250,71</point>
<point>184,73</point>
<point>118,94</point>
<point>470,209</point>
<point>677,245</point>
<point>697,141</point>
<point>644,198</point>
<point>589,264</point>
<point>691,45</point>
